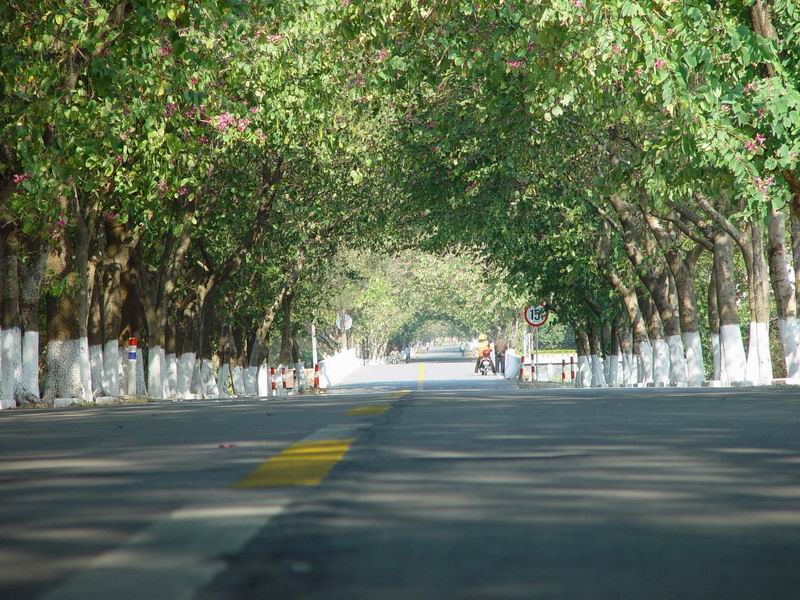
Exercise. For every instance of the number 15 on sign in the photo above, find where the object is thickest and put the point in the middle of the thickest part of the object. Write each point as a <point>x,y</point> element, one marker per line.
<point>536,316</point>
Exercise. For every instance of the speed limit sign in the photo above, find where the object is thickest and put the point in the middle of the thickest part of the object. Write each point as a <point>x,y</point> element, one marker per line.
<point>536,316</point>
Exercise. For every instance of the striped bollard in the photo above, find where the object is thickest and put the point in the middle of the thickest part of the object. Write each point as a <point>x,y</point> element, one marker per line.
<point>272,385</point>
<point>132,366</point>
<point>563,370</point>
<point>283,378</point>
<point>316,376</point>
<point>572,369</point>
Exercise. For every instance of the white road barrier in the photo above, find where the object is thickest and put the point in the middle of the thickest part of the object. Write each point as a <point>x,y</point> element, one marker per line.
<point>333,369</point>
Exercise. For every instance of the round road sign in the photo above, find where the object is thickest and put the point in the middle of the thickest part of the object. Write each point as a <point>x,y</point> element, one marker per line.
<point>344,322</point>
<point>536,316</point>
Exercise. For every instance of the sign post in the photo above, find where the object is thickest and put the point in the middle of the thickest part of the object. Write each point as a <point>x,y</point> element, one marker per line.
<point>343,323</point>
<point>536,316</point>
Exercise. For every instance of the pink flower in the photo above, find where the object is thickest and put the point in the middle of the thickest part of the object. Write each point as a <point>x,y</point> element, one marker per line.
<point>750,87</point>
<point>761,113</point>
<point>165,50</point>
<point>190,112</point>
<point>254,109</point>
<point>274,39</point>
<point>577,3</point>
<point>163,186</point>
<point>763,184</point>
<point>345,3</point>
<point>514,64</point>
<point>170,110</point>
<point>243,123</point>
<point>202,140</point>
<point>616,48</point>
<point>224,120</point>
<point>639,71</point>
<point>184,191</point>
<point>62,221</point>
<point>18,179</point>
<point>756,144</point>
<point>195,80</point>
<point>382,54</point>
<point>119,159</point>
<point>660,64</point>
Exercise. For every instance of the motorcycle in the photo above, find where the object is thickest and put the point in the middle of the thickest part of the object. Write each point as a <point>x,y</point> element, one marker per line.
<point>486,366</point>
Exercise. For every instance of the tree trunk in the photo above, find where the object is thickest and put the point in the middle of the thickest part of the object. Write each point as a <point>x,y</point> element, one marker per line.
<point>285,357</point>
<point>187,364</point>
<point>67,367</point>
<point>598,375</point>
<point>784,293</point>
<point>95,335</point>
<point>655,331</point>
<point>584,376</point>
<point>171,358</point>
<point>238,362</point>
<point>759,362</point>
<point>31,275</point>
<point>731,346</point>
<point>615,352</point>
<point>657,283</point>
<point>10,333</point>
<point>713,327</point>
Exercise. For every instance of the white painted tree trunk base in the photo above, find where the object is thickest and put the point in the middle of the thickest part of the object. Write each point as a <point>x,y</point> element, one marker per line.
<point>695,368</point>
<point>63,369</point>
<point>224,378</point>
<point>612,376</point>
<point>208,380</point>
<point>645,363</point>
<point>172,375</point>
<point>716,357</point>
<point>661,363</point>
<point>251,381</point>
<point>677,360</point>
<point>300,380</point>
<point>96,366</point>
<point>759,362</point>
<point>86,370</point>
<point>598,375</point>
<point>789,330</point>
<point>237,381</point>
<point>157,373</point>
<point>141,387</point>
<point>733,360</point>
<point>10,366</point>
<point>29,390</point>
<point>111,368</point>
<point>584,377</point>
<point>263,382</point>
<point>186,366</point>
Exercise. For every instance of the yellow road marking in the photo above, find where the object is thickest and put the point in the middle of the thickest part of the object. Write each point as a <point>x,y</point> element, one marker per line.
<point>302,464</point>
<point>369,409</point>
<point>421,377</point>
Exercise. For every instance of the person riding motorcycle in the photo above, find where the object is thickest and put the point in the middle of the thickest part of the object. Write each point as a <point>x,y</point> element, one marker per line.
<point>484,350</point>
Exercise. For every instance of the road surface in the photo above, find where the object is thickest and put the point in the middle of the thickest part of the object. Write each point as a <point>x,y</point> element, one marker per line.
<point>442,485</point>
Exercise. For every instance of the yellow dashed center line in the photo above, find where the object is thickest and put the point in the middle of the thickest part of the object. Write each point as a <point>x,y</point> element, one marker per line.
<point>303,464</point>
<point>369,409</point>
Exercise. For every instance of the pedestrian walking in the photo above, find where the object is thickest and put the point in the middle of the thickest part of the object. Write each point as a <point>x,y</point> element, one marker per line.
<point>500,347</point>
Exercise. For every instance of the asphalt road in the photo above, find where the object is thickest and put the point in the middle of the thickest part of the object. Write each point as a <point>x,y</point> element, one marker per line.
<point>462,487</point>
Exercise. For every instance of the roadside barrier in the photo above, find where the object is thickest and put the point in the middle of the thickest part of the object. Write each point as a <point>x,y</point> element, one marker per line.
<point>132,366</point>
